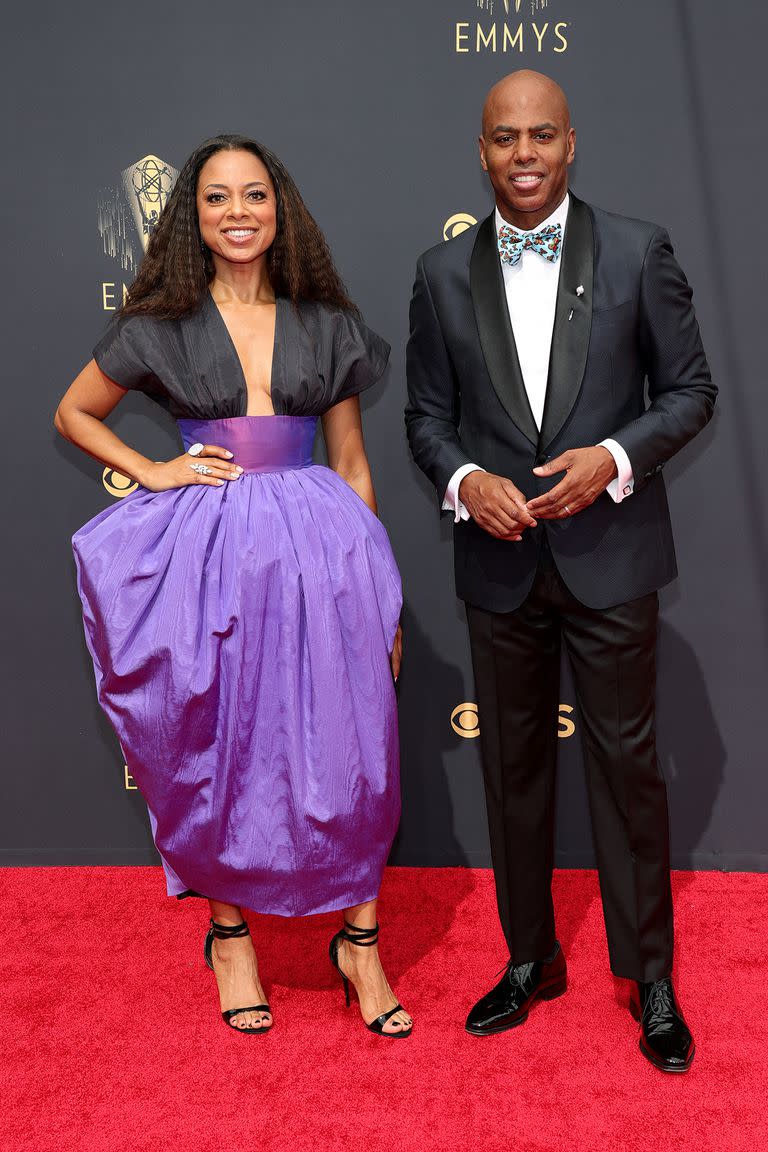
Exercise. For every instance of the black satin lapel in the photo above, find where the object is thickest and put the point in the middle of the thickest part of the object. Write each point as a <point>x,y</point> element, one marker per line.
<point>486,282</point>
<point>570,337</point>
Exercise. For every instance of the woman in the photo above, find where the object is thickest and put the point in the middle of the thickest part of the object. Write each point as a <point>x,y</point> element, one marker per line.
<point>241,607</point>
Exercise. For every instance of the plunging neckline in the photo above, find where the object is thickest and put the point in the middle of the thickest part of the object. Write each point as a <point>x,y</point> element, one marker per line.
<point>238,362</point>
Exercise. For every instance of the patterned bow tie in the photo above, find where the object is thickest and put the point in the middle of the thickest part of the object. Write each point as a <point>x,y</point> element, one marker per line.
<point>547,242</point>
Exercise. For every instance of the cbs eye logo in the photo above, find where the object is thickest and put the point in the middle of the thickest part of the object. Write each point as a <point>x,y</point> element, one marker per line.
<point>455,225</point>
<point>117,484</point>
<point>466,722</point>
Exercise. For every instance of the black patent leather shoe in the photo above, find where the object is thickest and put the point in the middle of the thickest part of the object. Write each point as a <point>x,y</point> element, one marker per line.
<point>509,1003</point>
<point>665,1039</point>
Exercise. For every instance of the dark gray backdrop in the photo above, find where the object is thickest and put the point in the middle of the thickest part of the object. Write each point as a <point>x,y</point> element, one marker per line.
<point>375,112</point>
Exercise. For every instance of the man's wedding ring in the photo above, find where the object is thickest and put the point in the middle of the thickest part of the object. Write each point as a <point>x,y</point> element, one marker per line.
<point>566,509</point>
<point>195,449</point>
<point>203,469</point>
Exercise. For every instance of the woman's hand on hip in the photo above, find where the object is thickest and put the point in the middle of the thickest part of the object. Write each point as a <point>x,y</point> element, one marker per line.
<point>186,469</point>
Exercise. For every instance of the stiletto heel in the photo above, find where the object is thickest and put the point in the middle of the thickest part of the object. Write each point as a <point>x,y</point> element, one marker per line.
<point>233,932</point>
<point>364,938</point>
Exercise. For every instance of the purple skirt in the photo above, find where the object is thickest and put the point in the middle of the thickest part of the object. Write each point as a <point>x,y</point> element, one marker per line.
<point>240,637</point>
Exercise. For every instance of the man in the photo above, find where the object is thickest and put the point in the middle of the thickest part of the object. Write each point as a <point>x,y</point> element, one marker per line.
<point>532,338</point>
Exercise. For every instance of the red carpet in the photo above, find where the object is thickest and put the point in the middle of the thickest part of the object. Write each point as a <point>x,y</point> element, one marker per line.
<point>114,1043</point>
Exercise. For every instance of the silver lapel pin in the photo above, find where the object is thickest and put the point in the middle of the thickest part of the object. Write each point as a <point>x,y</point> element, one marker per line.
<point>579,292</point>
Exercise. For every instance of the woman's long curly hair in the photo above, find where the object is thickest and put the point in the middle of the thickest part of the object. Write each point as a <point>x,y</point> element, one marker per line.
<point>174,275</point>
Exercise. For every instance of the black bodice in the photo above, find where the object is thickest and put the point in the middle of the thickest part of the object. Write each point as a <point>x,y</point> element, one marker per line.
<point>190,366</point>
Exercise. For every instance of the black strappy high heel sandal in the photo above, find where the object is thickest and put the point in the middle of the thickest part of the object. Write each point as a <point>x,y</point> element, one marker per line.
<point>364,938</point>
<point>232,932</point>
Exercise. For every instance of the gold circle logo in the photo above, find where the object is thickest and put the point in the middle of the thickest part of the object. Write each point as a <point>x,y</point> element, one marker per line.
<point>465,721</point>
<point>455,225</point>
<point>117,484</point>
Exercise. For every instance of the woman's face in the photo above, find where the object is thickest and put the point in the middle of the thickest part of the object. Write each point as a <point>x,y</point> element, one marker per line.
<point>236,206</point>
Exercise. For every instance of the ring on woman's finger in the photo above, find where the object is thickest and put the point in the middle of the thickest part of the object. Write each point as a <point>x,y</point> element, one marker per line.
<point>195,449</point>
<point>202,469</point>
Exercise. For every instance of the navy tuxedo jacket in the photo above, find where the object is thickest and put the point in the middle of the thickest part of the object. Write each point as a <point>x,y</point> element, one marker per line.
<point>633,325</point>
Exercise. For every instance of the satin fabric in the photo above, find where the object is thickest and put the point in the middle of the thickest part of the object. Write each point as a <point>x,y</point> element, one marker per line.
<point>240,637</point>
<point>190,367</point>
<point>285,442</point>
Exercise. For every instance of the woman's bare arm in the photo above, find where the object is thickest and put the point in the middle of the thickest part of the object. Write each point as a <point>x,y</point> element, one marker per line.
<point>80,418</point>
<point>343,432</point>
<point>80,415</point>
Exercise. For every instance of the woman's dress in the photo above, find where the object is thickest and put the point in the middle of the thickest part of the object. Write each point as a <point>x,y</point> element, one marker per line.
<point>241,634</point>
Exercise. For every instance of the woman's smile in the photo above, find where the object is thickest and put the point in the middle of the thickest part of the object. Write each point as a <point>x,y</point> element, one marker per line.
<point>240,235</point>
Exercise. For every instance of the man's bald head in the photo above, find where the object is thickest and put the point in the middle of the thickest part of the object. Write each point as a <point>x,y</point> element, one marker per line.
<point>525,89</point>
<point>526,146</point>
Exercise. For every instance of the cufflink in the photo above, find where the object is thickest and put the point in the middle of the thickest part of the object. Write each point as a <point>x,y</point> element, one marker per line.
<point>627,490</point>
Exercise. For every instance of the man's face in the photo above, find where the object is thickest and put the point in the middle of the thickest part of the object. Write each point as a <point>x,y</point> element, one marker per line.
<point>526,147</point>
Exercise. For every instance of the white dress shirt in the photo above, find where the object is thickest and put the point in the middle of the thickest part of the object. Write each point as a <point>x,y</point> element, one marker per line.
<point>531,289</point>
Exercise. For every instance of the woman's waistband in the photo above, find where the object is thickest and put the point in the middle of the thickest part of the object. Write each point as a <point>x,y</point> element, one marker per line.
<point>257,443</point>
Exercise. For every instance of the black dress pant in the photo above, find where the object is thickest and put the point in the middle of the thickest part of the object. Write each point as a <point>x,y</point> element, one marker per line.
<point>612,652</point>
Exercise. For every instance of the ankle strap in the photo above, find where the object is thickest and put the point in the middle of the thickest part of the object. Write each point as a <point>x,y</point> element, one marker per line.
<point>362,937</point>
<point>229,931</point>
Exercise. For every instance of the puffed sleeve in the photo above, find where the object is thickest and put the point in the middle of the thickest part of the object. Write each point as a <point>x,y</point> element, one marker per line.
<point>122,353</point>
<point>359,356</point>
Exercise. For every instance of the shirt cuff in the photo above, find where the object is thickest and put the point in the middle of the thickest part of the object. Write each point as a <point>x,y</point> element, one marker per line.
<point>622,485</point>
<point>451,502</point>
